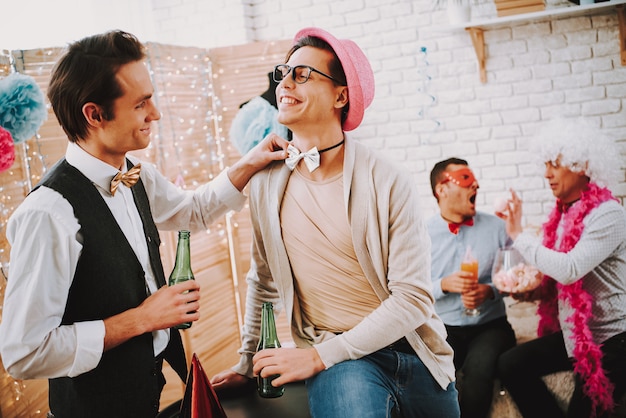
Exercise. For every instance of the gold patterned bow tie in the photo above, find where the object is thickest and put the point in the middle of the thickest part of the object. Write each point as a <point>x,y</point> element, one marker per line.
<point>128,178</point>
<point>311,158</point>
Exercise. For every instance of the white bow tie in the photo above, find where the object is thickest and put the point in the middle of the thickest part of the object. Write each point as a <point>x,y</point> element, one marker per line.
<point>311,158</point>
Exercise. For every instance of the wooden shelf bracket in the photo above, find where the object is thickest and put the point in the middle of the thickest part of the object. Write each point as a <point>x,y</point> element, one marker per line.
<point>621,17</point>
<point>478,39</point>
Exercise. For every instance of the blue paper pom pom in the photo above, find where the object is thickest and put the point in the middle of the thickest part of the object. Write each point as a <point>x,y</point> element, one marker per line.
<point>253,122</point>
<point>22,106</point>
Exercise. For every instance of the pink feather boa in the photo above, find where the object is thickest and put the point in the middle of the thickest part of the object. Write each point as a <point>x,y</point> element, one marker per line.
<point>587,354</point>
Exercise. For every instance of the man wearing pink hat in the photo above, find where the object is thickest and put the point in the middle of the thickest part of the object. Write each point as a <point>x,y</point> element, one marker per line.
<point>339,244</point>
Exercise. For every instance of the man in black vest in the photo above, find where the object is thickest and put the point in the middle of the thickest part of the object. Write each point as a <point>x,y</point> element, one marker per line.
<point>86,305</point>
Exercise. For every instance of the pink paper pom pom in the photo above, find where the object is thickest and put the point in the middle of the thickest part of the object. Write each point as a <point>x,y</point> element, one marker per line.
<point>7,150</point>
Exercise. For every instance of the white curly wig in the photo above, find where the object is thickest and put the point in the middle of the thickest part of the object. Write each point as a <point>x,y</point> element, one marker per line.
<point>579,146</point>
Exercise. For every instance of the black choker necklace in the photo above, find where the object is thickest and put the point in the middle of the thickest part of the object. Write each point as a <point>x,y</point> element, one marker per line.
<point>334,146</point>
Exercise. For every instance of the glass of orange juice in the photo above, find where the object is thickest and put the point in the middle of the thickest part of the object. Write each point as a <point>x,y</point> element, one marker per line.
<point>470,264</point>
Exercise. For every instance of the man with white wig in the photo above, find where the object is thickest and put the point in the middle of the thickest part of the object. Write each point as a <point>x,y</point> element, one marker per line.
<point>582,298</point>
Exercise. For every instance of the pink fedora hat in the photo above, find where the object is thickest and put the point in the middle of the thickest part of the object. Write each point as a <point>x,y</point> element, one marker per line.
<point>358,71</point>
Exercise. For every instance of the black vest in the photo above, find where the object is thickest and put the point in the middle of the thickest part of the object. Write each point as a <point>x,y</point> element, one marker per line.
<point>109,280</point>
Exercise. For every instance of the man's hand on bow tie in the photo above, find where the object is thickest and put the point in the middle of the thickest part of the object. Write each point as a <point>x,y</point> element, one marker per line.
<point>272,148</point>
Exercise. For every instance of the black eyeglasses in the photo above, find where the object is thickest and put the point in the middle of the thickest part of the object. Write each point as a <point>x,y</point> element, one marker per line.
<point>299,73</point>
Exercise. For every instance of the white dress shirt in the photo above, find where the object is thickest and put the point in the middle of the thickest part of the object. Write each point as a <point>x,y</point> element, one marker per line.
<point>45,248</point>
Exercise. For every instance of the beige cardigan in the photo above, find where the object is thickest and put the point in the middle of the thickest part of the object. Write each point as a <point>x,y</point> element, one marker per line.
<point>393,249</point>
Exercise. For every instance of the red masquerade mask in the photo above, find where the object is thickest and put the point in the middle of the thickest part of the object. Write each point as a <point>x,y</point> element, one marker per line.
<point>463,177</point>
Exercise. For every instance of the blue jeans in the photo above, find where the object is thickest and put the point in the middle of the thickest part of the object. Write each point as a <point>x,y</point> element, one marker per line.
<point>383,384</point>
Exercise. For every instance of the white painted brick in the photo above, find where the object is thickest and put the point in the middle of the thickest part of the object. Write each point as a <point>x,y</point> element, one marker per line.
<point>532,86</point>
<point>475,107</point>
<point>499,145</point>
<point>572,81</point>
<point>463,148</point>
<point>563,110</point>
<point>498,35</point>
<point>523,115</point>
<point>342,7</point>
<point>505,131</point>
<point>585,94</point>
<point>553,70</point>
<point>601,107</point>
<point>608,34</point>
<point>536,29</point>
<point>615,120</point>
<point>362,16</point>
<point>462,122</point>
<point>514,157</point>
<point>571,25</point>
<point>605,49</point>
<point>547,99</point>
<point>585,37</point>
<point>573,53</point>
<point>603,21</point>
<point>491,119</point>
<point>547,43</point>
<point>508,48</point>
<point>618,75</point>
<point>494,90</point>
<point>315,11</point>
<point>456,96</point>
<point>508,103</point>
<point>594,64</point>
<point>531,58</point>
<point>501,172</point>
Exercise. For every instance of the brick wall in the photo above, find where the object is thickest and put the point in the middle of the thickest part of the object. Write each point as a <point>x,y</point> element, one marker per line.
<point>430,103</point>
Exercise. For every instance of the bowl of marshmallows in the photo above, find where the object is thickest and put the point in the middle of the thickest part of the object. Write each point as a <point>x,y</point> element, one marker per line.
<point>511,274</point>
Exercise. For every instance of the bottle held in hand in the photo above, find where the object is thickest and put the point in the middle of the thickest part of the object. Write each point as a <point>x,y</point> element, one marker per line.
<point>182,267</point>
<point>268,339</point>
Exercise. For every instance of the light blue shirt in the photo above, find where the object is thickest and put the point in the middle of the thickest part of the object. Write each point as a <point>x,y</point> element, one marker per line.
<point>485,237</point>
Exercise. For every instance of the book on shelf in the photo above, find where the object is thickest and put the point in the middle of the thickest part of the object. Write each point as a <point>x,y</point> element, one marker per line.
<point>518,10</point>
<point>508,4</point>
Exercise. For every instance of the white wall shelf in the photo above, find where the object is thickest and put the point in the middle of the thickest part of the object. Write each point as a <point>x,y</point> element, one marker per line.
<point>477,27</point>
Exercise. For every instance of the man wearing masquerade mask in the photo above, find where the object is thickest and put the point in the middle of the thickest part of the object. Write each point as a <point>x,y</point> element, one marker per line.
<point>582,254</point>
<point>339,244</point>
<point>477,340</point>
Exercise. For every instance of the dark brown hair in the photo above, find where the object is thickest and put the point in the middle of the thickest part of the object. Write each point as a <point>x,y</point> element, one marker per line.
<point>436,174</point>
<point>87,73</point>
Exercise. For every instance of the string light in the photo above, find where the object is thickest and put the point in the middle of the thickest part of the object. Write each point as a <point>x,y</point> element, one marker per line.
<point>34,164</point>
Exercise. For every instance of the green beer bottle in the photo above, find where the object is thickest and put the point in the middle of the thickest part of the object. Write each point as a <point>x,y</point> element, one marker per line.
<point>182,267</point>
<point>268,339</point>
